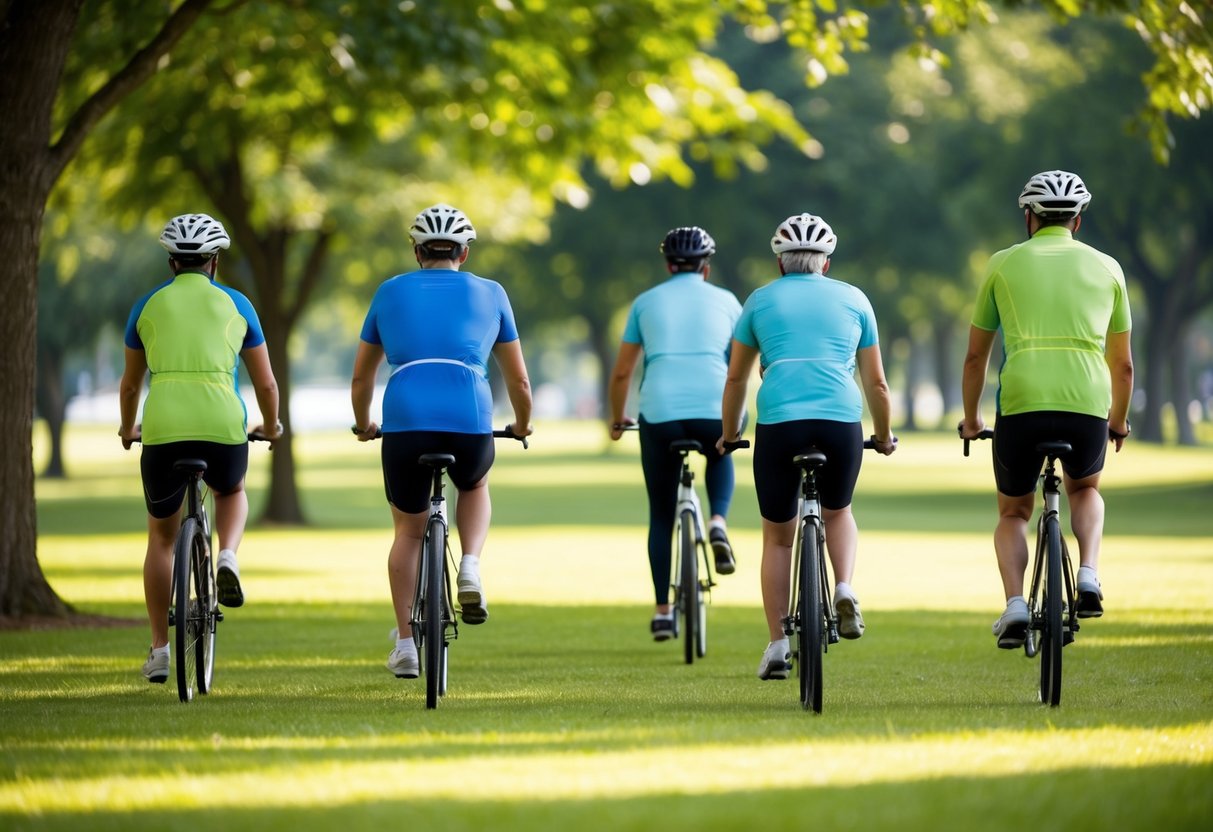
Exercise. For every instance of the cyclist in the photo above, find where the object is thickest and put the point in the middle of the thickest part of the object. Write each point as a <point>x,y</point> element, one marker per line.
<point>437,326</point>
<point>810,332</point>
<point>682,327</point>
<point>191,333</point>
<point>1067,374</point>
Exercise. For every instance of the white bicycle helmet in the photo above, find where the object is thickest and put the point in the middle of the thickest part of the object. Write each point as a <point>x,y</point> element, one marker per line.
<point>197,234</point>
<point>804,232</point>
<point>1055,194</point>
<point>442,222</point>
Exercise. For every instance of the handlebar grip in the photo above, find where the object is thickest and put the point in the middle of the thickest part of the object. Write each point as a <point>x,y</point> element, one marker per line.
<point>984,434</point>
<point>870,444</point>
<point>506,434</point>
<point>729,447</point>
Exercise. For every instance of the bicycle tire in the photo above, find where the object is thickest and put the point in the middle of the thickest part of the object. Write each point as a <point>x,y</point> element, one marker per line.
<point>433,551</point>
<point>1052,639</point>
<point>701,640</point>
<point>811,620</point>
<point>208,607</point>
<point>185,609</point>
<point>688,584</point>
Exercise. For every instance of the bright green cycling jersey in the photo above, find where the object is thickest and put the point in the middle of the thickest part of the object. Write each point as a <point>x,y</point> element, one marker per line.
<point>1055,300</point>
<point>192,331</point>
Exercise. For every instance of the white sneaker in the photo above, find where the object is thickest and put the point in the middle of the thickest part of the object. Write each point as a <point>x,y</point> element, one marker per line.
<point>850,619</point>
<point>227,580</point>
<point>1090,595</point>
<point>473,607</point>
<point>404,662</point>
<point>776,661</point>
<point>155,669</point>
<point>1011,628</point>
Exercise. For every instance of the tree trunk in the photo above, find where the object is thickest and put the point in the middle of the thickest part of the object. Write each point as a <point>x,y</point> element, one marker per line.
<point>34,39</point>
<point>282,503</point>
<point>604,350</point>
<point>52,406</point>
<point>946,375</point>
<point>1181,388</point>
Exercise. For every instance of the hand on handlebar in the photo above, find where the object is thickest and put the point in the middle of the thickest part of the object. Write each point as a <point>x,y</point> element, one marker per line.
<point>370,432</point>
<point>617,428</point>
<point>131,436</point>
<point>883,448</point>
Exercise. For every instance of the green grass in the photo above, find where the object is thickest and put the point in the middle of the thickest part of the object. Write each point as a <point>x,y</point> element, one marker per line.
<point>563,714</point>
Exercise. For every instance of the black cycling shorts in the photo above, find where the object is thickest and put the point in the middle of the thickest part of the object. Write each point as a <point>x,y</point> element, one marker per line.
<point>164,488</point>
<point>777,480</point>
<point>1017,464</point>
<point>406,482</point>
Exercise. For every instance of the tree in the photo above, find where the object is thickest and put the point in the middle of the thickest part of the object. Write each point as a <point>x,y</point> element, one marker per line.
<point>35,147</point>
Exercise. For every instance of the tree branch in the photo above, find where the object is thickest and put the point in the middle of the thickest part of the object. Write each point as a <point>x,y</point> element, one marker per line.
<point>142,65</point>
<point>313,269</point>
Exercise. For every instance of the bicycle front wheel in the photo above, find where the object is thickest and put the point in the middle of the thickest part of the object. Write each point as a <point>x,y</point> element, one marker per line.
<point>1052,639</point>
<point>810,621</point>
<point>688,584</point>
<point>433,552</point>
<point>187,608</point>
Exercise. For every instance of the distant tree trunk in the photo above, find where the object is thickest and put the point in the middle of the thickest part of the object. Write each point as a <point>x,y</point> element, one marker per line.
<point>946,375</point>
<point>282,503</point>
<point>52,406</point>
<point>1178,368</point>
<point>604,351</point>
<point>909,396</point>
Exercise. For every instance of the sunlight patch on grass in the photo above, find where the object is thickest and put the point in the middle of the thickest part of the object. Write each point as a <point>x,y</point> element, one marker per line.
<point>557,775</point>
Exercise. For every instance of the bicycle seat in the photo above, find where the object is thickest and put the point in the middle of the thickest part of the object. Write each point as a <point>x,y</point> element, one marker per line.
<point>679,446</point>
<point>1053,448</point>
<point>810,460</point>
<point>437,460</point>
<point>190,466</point>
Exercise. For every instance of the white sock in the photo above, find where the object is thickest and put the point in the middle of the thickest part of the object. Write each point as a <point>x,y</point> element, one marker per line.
<point>406,645</point>
<point>716,524</point>
<point>160,651</point>
<point>1015,598</point>
<point>783,643</point>
<point>227,553</point>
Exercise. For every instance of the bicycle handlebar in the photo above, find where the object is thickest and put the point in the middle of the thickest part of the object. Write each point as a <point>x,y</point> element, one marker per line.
<point>504,433</point>
<point>729,447</point>
<point>870,444</point>
<point>987,433</point>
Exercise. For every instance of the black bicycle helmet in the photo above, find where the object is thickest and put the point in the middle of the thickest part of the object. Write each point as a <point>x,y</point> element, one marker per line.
<point>688,244</point>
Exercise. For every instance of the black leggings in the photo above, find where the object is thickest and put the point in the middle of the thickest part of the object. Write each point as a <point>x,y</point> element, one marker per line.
<point>661,467</point>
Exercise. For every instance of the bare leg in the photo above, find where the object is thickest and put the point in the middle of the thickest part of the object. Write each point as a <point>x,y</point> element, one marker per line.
<point>402,565</point>
<point>1086,517</point>
<point>473,513</point>
<point>776,572</point>
<point>231,514</point>
<point>842,540</point>
<point>1011,542</point>
<point>158,574</point>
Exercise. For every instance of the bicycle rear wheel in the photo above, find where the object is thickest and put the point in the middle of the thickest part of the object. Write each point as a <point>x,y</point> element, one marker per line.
<point>187,609</point>
<point>208,607</point>
<point>811,618</point>
<point>433,550</point>
<point>688,584</point>
<point>1052,638</point>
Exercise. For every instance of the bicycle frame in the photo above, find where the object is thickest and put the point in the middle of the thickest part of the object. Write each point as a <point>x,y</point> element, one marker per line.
<point>433,633</point>
<point>1050,513</point>
<point>690,600</point>
<point>810,522</point>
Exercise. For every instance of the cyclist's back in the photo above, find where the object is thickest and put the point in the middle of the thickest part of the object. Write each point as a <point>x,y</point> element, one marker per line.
<point>1055,299</point>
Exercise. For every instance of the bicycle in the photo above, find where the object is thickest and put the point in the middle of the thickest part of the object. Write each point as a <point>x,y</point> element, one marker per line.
<point>194,612</point>
<point>812,622</point>
<point>433,621</point>
<point>1051,608</point>
<point>692,593</point>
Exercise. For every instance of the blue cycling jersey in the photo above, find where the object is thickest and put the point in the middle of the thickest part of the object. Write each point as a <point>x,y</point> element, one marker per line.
<point>807,328</point>
<point>437,328</point>
<point>684,326</point>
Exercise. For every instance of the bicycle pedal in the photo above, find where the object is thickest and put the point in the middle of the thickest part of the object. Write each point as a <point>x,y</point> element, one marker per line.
<point>833,637</point>
<point>1067,637</point>
<point>172,618</point>
<point>218,614</point>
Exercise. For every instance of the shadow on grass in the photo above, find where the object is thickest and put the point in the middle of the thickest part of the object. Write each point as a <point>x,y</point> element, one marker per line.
<point>1076,796</point>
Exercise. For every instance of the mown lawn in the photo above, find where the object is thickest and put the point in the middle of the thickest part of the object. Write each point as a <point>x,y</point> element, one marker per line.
<point>563,714</point>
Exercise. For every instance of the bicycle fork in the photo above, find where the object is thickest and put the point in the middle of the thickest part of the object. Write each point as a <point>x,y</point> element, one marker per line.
<point>1051,512</point>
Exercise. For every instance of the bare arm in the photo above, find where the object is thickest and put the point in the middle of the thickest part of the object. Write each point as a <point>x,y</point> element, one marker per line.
<point>362,387</point>
<point>265,387</point>
<point>732,403</point>
<point>128,395</point>
<point>876,391</point>
<point>973,382</point>
<point>621,380</point>
<point>1119,355</point>
<point>517,384</point>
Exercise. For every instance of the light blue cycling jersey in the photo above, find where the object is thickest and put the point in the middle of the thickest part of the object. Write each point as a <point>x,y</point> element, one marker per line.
<point>684,326</point>
<point>807,328</point>
<point>437,328</point>
<point>192,331</point>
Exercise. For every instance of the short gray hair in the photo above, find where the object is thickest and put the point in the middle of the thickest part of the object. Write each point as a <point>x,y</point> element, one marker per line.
<point>803,262</point>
